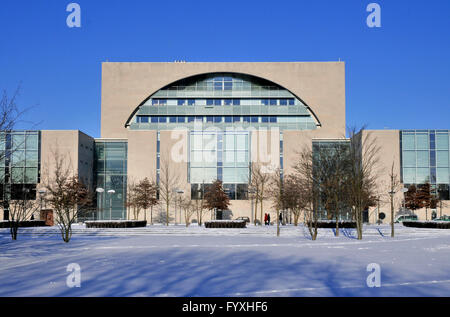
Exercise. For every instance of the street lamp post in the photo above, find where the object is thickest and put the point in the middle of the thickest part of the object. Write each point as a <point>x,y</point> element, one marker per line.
<point>440,202</point>
<point>378,210</point>
<point>179,192</point>
<point>251,192</point>
<point>404,190</point>
<point>26,191</point>
<point>42,192</point>
<point>392,193</point>
<point>226,191</point>
<point>100,191</point>
<point>111,192</point>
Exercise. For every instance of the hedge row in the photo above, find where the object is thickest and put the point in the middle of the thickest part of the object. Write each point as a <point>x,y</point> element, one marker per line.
<point>23,224</point>
<point>332,224</point>
<point>225,224</point>
<point>116,224</point>
<point>427,224</point>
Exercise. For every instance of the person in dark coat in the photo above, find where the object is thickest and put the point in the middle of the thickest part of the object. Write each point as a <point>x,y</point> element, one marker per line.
<point>281,218</point>
<point>268,219</point>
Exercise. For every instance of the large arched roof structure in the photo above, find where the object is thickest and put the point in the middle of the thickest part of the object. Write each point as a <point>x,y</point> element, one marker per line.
<point>258,96</point>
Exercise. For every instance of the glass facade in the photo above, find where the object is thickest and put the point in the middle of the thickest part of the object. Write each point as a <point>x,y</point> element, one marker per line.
<point>19,163</point>
<point>321,147</point>
<point>223,100</point>
<point>220,110</point>
<point>222,155</point>
<point>111,174</point>
<point>425,158</point>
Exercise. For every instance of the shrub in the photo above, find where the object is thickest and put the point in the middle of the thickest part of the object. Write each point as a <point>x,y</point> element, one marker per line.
<point>427,224</point>
<point>116,224</point>
<point>225,224</point>
<point>23,224</point>
<point>332,224</point>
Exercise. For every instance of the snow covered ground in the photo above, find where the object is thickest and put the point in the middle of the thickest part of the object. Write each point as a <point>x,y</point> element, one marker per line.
<point>194,261</point>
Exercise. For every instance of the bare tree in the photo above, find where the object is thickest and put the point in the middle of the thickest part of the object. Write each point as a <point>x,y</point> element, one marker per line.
<point>169,181</point>
<point>132,199</point>
<point>362,177</point>
<point>199,204</point>
<point>10,116</point>
<point>21,208</point>
<point>189,208</point>
<point>260,177</point>
<point>307,179</point>
<point>394,186</point>
<point>276,192</point>
<point>424,195</point>
<point>67,195</point>
<point>438,202</point>
<point>295,195</point>
<point>10,113</point>
<point>254,188</point>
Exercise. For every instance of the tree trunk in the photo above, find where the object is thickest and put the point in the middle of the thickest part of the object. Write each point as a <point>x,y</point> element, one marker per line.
<point>67,234</point>
<point>167,213</point>
<point>392,216</point>
<point>359,225</point>
<point>14,228</point>
<point>336,217</point>
<point>151,215</point>
<point>256,211</point>
<point>278,223</point>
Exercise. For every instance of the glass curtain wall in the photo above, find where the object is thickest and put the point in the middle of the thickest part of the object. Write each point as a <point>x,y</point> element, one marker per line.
<point>19,165</point>
<point>111,174</point>
<point>223,100</point>
<point>222,155</point>
<point>321,148</point>
<point>425,158</point>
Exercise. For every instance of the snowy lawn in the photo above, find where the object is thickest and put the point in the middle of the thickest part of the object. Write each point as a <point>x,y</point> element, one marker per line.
<point>194,261</point>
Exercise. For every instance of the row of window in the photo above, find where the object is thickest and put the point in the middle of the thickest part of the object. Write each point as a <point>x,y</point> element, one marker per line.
<point>425,141</point>
<point>221,119</point>
<point>19,175</point>
<point>234,191</point>
<point>223,102</point>
<point>222,82</point>
<point>421,175</point>
<point>425,158</point>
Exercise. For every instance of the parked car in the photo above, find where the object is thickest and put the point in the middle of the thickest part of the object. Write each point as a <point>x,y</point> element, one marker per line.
<point>402,218</point>
<point>247,219</point>
<point>443,218</point>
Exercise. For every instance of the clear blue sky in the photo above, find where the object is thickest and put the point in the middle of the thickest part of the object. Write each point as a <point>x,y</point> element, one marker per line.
<point>397,76</point>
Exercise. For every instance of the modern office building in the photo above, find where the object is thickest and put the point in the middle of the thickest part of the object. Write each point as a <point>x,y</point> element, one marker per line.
<point>206,121</point>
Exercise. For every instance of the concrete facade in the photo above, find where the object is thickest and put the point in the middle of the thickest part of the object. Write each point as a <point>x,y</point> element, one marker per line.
<point>77,149</point>
<point>320,85</point>
<point>125,86</point>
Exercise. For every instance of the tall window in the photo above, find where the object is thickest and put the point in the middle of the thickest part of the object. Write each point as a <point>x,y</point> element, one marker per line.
<point>425,157</point>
